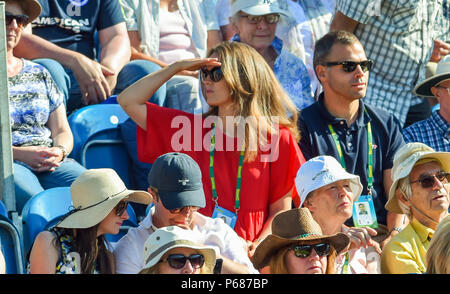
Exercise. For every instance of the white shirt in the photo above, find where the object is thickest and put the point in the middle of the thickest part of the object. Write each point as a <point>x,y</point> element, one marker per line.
<point>129,251</point>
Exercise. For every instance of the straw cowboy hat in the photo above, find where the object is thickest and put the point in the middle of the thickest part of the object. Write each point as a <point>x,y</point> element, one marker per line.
<point>404,161</point>
<point>32,8</point>
<point>291,227</point>
<point>167,238</point>
<point>442,73</point>
<point>94,194</point>
<point>321,171</point>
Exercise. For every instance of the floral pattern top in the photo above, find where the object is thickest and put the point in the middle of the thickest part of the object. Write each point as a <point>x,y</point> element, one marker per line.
<point>292,74</point>
<point>69,261</point>
<point>33,96</point>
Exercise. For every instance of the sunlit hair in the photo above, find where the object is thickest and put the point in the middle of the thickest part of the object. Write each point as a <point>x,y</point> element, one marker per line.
<point>277,262</point>
<point>257,95</point>
<point>438,254</point>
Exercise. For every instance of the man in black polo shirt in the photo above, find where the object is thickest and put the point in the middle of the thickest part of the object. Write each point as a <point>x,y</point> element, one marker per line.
<point>362,138</point>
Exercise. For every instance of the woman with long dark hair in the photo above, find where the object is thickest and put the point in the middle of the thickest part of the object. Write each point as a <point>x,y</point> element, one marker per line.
<point>77,244</point>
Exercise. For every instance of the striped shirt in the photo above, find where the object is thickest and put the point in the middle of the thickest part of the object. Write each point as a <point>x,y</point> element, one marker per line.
<point>398,35</point>
<point>434,132</point>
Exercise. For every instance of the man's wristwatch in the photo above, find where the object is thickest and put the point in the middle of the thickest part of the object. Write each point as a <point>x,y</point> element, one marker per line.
<point>395,229</point>
<point>64,151</point>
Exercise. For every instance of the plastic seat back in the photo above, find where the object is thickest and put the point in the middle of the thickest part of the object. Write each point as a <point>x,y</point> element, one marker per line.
<point>42,210</point>
<point>97,139</point>
<point>10,244</point>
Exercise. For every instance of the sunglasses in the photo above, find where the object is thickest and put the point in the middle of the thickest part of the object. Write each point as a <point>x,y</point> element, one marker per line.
<point>21,19</point>
<point>256,19</point>
<point>177,261</point>
<point>182,209</point>
<point>428,181</point>
<point>121,207</point>
<point>350,66</point>
<point>215,74</point>
<point>303,251</point>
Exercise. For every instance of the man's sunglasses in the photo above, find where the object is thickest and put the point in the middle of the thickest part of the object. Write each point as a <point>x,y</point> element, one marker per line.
<point>215,74</point>
<point>350,66</point>
<point>21,19</point>
<point>177,261</point>
<point>428,181</point>
<point>121,207</point>
<point>182,209</point>
<point>303,251</point>
<point>255,19</point>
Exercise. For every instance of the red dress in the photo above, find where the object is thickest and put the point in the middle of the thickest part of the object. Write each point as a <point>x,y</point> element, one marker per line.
<point>263,182</point>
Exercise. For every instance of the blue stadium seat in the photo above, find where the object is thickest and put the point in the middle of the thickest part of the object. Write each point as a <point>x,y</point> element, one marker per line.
<point>436,107</point>
<point>41,211</point>
<point>45,209</point>
<point>10,244</point>
<point>97,139</point>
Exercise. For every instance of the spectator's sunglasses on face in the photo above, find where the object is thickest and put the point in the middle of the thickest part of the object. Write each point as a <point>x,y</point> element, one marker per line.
<point>21,19</point>
<point>177,261</point>
<point>182,209</point>
<point>256,19</point>
<point>121,207</point>
<point>350,66</point>
<point>428,181</point>
<point>215,74</point>
<point>303,250</point>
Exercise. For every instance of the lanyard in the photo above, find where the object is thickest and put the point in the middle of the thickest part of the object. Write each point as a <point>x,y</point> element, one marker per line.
<point>370,153</point>
<point>345,267</point>
<point>211,172</point>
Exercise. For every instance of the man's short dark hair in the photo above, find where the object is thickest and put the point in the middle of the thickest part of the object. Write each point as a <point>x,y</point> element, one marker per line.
<point>323,46</point>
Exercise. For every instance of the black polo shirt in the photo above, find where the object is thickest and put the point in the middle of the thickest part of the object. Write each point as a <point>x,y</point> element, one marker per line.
<point>316,140</point>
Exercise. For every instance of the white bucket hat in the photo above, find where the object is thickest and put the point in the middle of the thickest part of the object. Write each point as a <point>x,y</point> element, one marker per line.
<point>258,7</point>
<point>167,238</point>
<point>321,171</point>
<point>442,73</point>
<point>94,194</point>
<point>404,161</point>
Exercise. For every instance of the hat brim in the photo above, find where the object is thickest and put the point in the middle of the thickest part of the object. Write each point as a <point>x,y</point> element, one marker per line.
<point>91,216</point>
<point>272,243</point>
<point>424,88</point>
<point>262,10</point>
<point>32,8</point>
<point>355,186</point>
<point>208,252</point>
<point>177,199</point>
<point>392,205</point>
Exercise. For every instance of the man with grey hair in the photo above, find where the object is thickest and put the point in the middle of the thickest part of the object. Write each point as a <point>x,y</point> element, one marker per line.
<point>420,190</point>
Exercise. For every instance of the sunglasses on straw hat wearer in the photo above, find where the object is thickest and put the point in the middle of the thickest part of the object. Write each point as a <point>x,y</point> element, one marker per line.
<point>95,193</point>
<point>297,230</point>
<point>176,250</point>
<point>405,160</point>
<point>32,9</point>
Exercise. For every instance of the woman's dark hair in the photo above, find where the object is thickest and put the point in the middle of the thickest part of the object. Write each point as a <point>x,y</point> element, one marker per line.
<point>92,249</point>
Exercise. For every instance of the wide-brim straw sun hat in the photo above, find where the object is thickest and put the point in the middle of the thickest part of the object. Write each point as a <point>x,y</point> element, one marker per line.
<point>32,8</point>
<point>321,171</point>
<point>94,194</point>
<point>442,73</point>
<point>259,7</point>
<point>404,161</point>
<point>291,227</point>
<point>167,238</point>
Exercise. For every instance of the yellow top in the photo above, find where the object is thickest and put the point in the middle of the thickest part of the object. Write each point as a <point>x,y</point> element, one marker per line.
<point>405,253</point>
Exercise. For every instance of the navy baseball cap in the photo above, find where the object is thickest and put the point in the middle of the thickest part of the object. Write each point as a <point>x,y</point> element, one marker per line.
<point>178,179</point>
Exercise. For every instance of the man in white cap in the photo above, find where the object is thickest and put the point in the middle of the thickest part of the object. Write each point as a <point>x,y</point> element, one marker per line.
<point>421,190</point>
<point>328,191</point>
<point>175,182</point>
<point>434,131</point>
